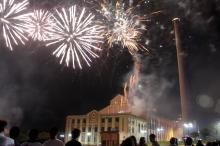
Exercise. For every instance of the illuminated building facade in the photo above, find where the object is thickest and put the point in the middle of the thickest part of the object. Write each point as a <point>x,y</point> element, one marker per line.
<point>118,119</point>
<point>111,125</point>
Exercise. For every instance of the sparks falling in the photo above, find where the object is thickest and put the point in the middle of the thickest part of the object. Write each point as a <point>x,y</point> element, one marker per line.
<point>40,25</point>
<point>12,20</point>
<point>77,36</point>
<point>124,26</point>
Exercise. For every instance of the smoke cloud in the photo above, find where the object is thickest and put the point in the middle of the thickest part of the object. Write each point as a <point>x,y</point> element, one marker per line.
<point>152,88</point>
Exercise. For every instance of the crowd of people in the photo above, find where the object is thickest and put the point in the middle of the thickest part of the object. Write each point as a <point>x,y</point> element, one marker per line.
<point>9,138</point>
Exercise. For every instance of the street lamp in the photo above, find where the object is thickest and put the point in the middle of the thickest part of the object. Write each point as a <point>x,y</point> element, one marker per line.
<point>188,126</point>
<point>89,133</point>
<point>160,132</point>
<point>217,127</point>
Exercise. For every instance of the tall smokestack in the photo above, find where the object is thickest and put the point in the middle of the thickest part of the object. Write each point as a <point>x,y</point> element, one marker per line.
<point>182,80</point>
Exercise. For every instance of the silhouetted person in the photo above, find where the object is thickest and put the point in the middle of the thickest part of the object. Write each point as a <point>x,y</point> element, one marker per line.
<point>128,142</point>
<point>173,141</point>
<point>14,133</point>
<point>142,142</point>
<point>134,140</point>
<point>199,143</point>
<point>4,140</point>
<point>189,141</point>
<point>75,135</point>
<point>53,141</point>
<point>33,136</point>
<point>153,140</point>
<point>215,143</point>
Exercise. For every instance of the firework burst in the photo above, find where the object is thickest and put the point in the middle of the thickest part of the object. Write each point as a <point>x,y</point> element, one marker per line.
<point>12,21</point>
<point>77,36</point>
<point>124,26</point>
<point>40,25</point>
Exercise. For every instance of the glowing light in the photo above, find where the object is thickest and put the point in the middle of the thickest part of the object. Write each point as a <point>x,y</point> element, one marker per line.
<point>77,36</point>
<point>12,20</point>
<point>188,125</point>
<point>39,25</point>
<point>124,26</point>
<point>160,129</point>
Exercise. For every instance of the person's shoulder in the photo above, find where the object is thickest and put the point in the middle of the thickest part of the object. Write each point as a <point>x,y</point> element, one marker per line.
<point>9,140</point>
<point>73,143</point>
<point>69,143</point>
<point>59,142</point>
<point>78,143</point>
<point>46,142</point>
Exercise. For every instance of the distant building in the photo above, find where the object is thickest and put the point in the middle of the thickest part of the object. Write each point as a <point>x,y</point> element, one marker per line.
<point>111,125</point>
<point>115,122</point>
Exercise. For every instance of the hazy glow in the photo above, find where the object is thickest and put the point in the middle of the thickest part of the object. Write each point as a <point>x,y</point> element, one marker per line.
<point>39,25</point>
<point>124,27</point>
<point>77,36</point>
<point>12,20</point>
<point>188,125</point>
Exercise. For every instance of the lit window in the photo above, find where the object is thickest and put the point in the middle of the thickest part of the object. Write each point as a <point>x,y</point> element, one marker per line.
<point>95,138</point>
<point>102,129</point>
<point>89,139</point>
<point>83,137</point>
<point>89,129</point>
<point>73,121</point>
<point>78,121</point>
<point>96,129</point>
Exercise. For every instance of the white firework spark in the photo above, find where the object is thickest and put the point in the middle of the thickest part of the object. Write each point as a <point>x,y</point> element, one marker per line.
<point>12,21</point>
<point>40,25</point>
<point>124,26</point>
<point>77,36</point>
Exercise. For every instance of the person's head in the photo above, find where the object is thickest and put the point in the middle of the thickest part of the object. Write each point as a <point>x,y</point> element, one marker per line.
<point>14,132</point>
<point>152,137</point>
<point>134,140</point>
<point>189,141</point>
<point>75,133</point>
<point>53,132</point>
<point>127,142</point>
<point>199,141</point>
<point>173,141</point>
<point>3,125</point>
<point>142,141</point>
<point>33,134</point>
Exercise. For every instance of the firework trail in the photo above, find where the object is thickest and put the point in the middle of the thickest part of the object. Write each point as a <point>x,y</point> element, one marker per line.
<point>77,36</point>
<point>40,25</point>
<point>12,21</point>
<point>124,26</point>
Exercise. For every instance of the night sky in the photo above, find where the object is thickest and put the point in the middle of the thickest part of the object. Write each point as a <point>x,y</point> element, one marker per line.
<point>36,91</point>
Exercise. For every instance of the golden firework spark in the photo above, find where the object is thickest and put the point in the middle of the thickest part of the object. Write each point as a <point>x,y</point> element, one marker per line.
<point>124,26</point>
